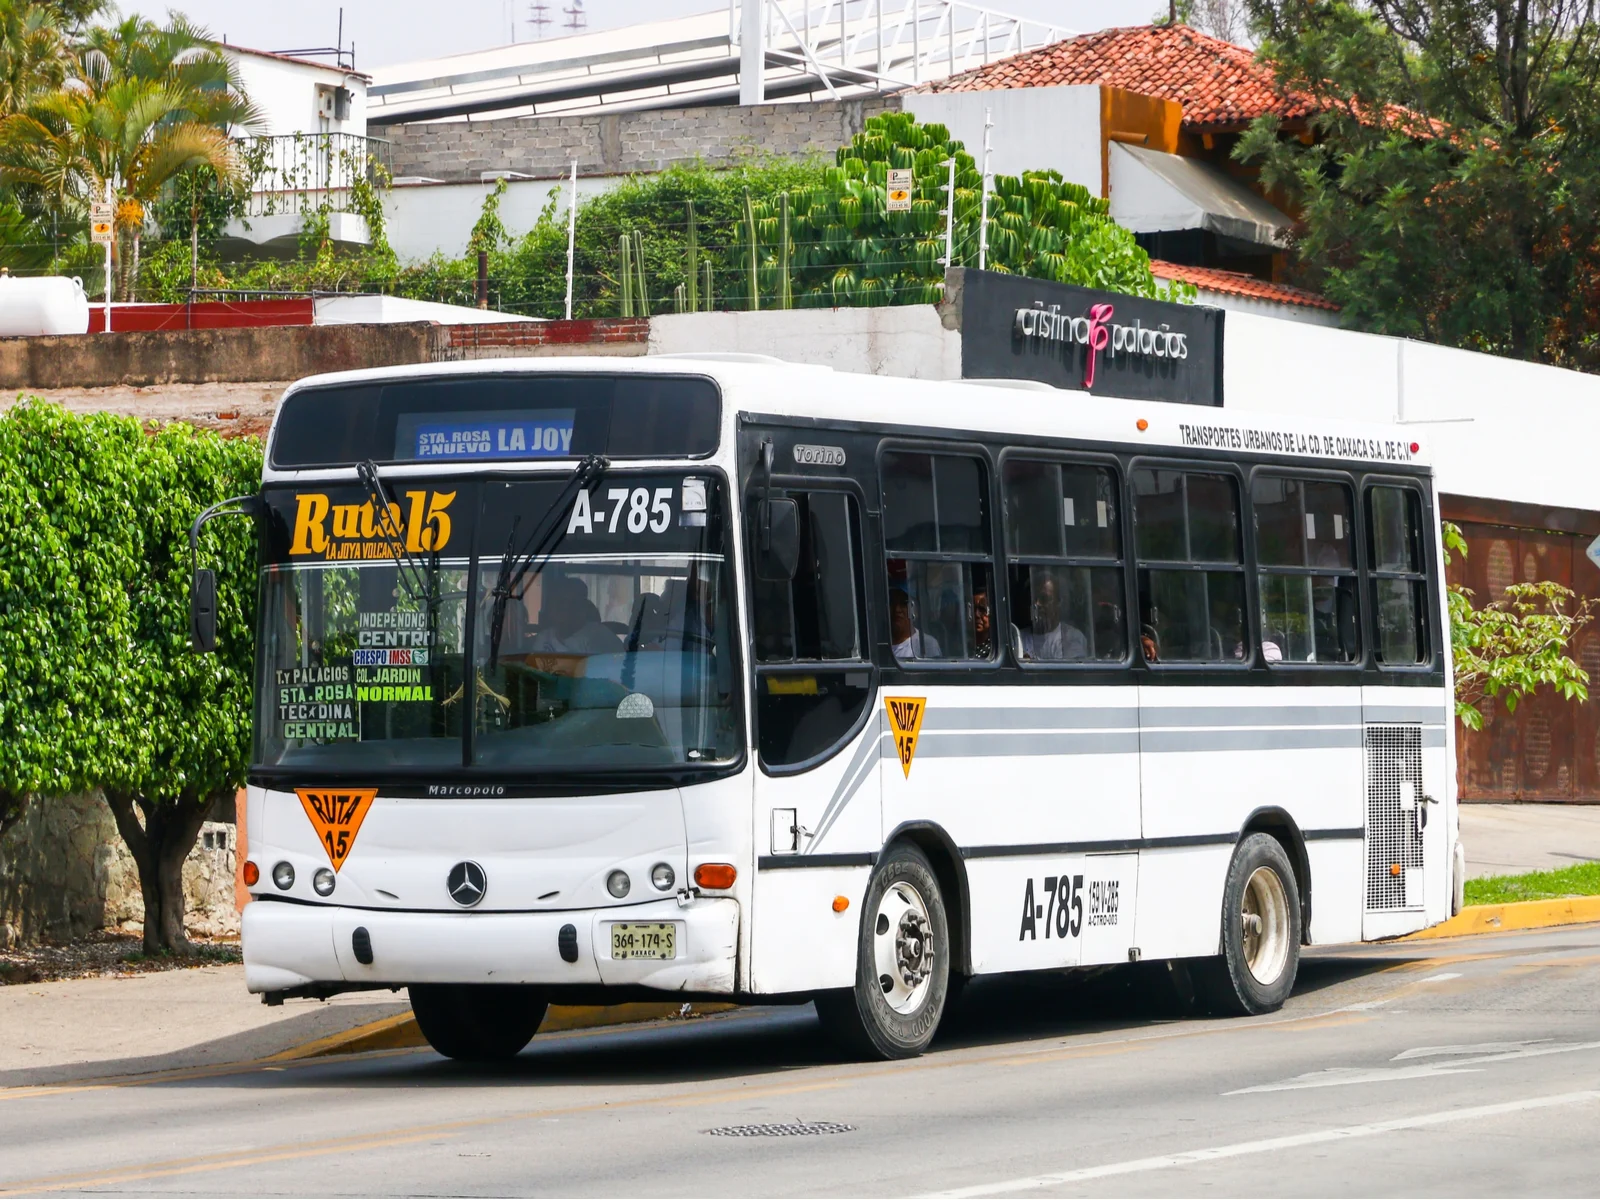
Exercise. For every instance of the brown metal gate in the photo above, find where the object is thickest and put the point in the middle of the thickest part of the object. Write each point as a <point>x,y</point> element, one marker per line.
<point>1549,749</point>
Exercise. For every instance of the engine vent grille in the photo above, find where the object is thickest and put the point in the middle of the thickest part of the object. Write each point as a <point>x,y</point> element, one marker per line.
<point>1394,773</point>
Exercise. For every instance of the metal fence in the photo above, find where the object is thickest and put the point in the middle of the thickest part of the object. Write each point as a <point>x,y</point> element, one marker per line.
<point>299,172</point>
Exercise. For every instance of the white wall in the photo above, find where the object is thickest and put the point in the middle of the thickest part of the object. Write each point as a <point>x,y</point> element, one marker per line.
<point>1494,428</point>
<point>1034,128</point>
<point>285,92</point>
<point>907,341</point>
<point>429,217</point>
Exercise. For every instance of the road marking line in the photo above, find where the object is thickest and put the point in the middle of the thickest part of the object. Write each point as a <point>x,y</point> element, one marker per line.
<point>1442,977</point>
<point>1342,1076</point>
<point>1269,1145</point>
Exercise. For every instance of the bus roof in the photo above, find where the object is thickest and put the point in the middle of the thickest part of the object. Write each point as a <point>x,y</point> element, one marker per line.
<point>775,388</point>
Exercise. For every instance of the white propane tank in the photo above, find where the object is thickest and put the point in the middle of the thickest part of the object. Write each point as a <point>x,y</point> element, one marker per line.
<point>30,306</point>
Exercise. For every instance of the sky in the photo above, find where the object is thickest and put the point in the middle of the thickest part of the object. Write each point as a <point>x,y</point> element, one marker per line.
<point>395,31</point>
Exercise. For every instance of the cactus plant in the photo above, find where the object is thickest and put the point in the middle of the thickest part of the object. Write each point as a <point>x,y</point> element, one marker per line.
<point>625,275</point>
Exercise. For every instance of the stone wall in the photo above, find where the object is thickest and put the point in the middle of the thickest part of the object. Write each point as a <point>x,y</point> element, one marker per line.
<point>65,873</point>
<point>626,143</point>
<point>161,358</point>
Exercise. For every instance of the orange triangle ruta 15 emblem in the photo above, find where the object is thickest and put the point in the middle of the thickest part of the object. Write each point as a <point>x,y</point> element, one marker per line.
<point>905,719</point>
<point>336,814</point>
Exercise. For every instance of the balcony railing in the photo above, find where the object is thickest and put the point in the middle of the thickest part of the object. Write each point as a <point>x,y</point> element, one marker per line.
<point>302,172</point>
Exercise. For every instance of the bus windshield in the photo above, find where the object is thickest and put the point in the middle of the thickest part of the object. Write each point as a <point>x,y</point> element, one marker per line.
<point>614,648</point>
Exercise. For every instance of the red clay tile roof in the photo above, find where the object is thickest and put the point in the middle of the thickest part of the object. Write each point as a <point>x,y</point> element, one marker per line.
<point>1234,283</point>
<point>1218,83</point>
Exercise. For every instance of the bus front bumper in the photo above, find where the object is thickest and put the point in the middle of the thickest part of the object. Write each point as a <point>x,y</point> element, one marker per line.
<point>294,946</point>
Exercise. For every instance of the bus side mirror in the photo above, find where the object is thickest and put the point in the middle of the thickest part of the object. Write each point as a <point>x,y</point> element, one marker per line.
<point>203,611</point>
<point>777,540</point>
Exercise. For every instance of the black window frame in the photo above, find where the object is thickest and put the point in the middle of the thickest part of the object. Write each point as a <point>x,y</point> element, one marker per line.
<point>1357,569</point>
<point>382,419</point>
<point>1233,470</point>
<point>998,599</point>
<point>1123,562</point>
<point>1429,618</point>
<point>850,488</point>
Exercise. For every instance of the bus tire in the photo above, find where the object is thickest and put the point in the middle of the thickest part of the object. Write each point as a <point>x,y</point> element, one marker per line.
<point>477,1022</point>
<point>902,964</point>
<point>1260,933</point>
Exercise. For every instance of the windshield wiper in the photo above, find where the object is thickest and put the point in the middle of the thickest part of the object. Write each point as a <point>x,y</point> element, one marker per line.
<point>413,573</point>
<point>514,564</point>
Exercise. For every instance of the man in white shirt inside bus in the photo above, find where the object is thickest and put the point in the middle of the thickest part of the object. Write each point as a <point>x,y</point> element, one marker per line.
<point>909,641</point>
<point>1051,639</point>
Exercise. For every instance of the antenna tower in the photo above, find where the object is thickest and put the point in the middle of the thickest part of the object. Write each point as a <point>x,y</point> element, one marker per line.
<point>538,17</point>
<point>576,19</point>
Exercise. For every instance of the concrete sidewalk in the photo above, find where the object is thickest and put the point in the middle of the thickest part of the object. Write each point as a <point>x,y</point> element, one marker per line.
<point>1510,839</point>
<point>77,1028</point>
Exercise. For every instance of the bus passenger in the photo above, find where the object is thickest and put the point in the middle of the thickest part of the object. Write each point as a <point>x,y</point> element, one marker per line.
<point>982,620</point>
<point>909,641</point>
<point>569,623</point>
<point>1051,639</point>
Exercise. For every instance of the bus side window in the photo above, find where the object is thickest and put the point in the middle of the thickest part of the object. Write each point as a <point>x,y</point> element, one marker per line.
<point>1064,562</point>
<point>1191,566</point>
<point>1306,570</point>
<point>1399,576</point>
<point>812,677</point>
<point>939,559</point>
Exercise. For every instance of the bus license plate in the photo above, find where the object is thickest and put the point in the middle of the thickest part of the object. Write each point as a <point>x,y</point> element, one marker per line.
<point>644,940</point>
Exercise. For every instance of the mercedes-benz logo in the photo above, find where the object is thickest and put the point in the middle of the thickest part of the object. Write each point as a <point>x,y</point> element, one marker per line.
<point>467,883</point>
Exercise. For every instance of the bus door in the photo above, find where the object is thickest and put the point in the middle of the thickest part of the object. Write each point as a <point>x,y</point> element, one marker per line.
<point>817,817</point>
<point>1409,766</point>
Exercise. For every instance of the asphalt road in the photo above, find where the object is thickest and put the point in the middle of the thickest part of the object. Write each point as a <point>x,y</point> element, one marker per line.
<point>1462,1067</point>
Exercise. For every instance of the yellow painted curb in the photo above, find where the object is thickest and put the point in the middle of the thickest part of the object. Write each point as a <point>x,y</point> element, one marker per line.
<point>401,1033</point>
<point>1525,914</point>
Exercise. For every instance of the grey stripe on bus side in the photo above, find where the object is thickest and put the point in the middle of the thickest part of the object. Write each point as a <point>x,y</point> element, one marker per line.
<point>1026,745</point>
<point>1389,714</point>
<point>960,719</point>
<point>1215,714</point>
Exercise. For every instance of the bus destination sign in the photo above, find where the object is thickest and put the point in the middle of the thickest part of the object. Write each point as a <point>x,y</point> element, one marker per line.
<point>464,437</point>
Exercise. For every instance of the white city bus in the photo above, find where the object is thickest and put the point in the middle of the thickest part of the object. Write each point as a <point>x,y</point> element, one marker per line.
<point>591,680</point>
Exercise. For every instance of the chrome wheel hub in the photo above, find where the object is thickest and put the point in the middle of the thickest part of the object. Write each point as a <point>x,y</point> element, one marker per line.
<point>902,947</point>
<point>1264,921</point>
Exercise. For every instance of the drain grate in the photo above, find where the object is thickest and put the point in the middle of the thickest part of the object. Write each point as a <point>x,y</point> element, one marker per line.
<point>795,1129</point>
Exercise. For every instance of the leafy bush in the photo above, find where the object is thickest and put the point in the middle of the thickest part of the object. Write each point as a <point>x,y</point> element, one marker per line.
<point>101,688</point>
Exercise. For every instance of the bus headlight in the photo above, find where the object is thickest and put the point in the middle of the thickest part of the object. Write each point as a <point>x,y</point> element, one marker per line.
<point>618,883</point>
<point>663,876</point>
<point>322,882</point>
<point>283,876</point>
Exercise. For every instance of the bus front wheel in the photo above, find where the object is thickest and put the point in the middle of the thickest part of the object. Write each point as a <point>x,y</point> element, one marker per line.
<point>477,1022</point>
<point>1260,933</point>
<point>902,964</point>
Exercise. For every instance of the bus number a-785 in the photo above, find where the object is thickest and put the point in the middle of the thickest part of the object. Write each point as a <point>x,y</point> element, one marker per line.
<point>1055,909</point>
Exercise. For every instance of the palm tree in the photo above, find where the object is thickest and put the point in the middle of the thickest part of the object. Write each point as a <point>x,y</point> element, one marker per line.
<point>140,106</point>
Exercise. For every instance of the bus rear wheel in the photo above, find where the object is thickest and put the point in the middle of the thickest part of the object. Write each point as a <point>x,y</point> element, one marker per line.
<point>1261,928</point>
<point>477,1022</point>
<point>902,964</point>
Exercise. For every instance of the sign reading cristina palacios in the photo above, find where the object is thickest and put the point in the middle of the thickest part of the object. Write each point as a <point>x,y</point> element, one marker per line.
<point>1091,341</point>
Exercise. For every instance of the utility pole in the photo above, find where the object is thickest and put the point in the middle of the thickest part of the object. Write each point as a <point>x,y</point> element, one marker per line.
<point>983,204</point>
<point>572,232</point>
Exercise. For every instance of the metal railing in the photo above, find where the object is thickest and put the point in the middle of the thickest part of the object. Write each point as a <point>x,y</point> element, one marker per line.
<point>881,45</point>
<point>300,172</point>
